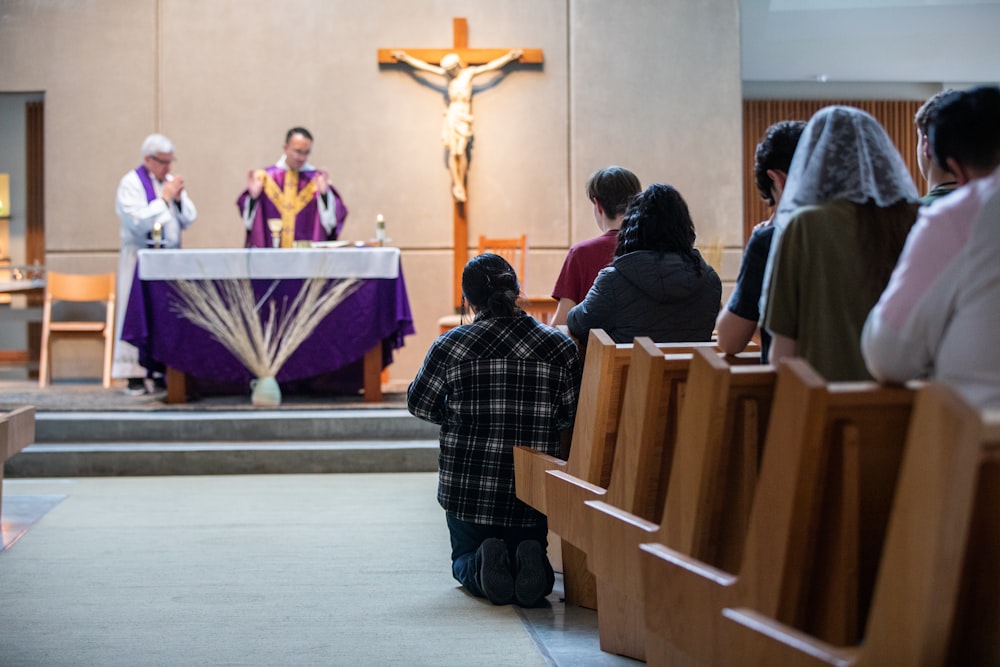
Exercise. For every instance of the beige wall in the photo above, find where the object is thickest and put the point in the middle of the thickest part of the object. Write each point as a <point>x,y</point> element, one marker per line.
<point>653,85</point>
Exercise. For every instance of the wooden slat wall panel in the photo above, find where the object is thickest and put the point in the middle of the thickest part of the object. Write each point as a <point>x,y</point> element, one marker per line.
<point>896,117</point>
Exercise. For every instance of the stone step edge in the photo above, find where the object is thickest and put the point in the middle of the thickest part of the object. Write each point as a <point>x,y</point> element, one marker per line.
<point>184,446</point>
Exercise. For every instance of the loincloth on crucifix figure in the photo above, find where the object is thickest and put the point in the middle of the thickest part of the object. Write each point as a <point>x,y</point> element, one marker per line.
<point>456,131</point>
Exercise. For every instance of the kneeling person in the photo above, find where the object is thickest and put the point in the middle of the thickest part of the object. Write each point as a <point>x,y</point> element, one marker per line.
<point>503,380</point>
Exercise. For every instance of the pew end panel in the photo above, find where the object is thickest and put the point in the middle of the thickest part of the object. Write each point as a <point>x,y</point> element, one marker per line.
<point>614,554</point>
<point>602,389</point>
<point>565,495</point>
<point>936,597</point>
<point>815,471</point>
<point>710,427</point>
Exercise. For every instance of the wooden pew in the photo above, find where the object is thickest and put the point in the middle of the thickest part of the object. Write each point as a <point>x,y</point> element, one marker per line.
<point>595,432</point>
<point>643,449</point>
<point>935,600</point>
<point>17,431</point>
<point>821,503</point>
<point>720,437</point>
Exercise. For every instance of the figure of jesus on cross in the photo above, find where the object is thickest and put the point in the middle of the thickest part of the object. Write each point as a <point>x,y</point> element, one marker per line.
<point>457,129</point>
<point>459,64</point>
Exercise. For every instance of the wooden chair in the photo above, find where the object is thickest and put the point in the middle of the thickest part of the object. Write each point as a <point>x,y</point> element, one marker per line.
<point>514,250</point>
<point>77,288</point>
<point>935,600</point>
<point>812,544</point>
<point>720,437</point>
<point>17,431</point>
<point>542,308</point>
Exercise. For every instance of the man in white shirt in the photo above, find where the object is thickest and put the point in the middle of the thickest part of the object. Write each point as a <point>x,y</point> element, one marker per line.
<point>938,315</point>
<point>154,208</point>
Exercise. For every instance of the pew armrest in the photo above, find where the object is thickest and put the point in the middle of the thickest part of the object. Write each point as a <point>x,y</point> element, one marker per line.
<point>765,641</point>
<point>530,466</point>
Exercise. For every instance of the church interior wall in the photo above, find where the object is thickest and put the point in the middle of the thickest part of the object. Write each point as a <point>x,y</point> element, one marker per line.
<point>651,85</point>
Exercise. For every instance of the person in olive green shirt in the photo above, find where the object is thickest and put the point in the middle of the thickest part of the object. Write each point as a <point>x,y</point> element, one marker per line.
<point>848,205</point>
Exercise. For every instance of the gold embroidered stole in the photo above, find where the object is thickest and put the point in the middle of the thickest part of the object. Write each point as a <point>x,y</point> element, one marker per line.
<point>289,202</point>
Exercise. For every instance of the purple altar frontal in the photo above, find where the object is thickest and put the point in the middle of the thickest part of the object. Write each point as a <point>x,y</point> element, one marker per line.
<point>329,360</point>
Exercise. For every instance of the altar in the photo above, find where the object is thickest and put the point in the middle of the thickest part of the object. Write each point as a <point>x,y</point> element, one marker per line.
<point>349,348</point>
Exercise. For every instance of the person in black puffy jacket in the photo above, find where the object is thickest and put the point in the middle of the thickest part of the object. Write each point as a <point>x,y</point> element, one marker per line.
<point>658,284</point>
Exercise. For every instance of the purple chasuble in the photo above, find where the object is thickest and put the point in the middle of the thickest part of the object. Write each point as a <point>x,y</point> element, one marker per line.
<point>307,222</point>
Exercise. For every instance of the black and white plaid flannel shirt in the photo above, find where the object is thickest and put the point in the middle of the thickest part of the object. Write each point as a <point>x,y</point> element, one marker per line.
<point>491,385</point>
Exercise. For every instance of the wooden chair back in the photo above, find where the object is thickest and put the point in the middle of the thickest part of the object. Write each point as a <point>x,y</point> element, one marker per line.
<point>79,289</point>
<point>542,308</point>
<point>514,250</point>
<point>935,598</point>
<point>813,539</point>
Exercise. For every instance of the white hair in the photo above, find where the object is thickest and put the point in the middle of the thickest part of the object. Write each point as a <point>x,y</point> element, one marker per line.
<point>156,143</point>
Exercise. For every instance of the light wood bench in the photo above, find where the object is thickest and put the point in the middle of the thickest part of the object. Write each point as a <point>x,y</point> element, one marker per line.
<point>812,545</point>
<point>644,448</point>
<point>17,431</point>
<point>594,432</point>
<point>935,600</point>
<point>605,371</point>
<point>720,437</point>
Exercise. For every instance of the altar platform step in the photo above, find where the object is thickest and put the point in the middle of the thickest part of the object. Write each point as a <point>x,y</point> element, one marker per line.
<point>116,443</point>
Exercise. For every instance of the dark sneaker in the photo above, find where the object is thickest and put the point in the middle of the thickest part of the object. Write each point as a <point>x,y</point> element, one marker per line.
<point>136,387</point>
<point>159,383</point>
<point>495,578</point>
<point>534,574</point>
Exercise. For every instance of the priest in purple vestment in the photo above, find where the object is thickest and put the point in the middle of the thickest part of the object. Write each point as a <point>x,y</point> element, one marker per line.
<point>292,200</point>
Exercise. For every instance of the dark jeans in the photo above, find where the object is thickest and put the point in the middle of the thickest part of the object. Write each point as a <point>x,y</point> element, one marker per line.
<point>466,538</point>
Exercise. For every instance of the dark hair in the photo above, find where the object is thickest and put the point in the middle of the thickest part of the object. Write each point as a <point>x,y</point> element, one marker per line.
<point>882,232</point>
<point>966,128</point>
<point>490,285</point>
<point>775,151</point>
<point>658,219</point>
<point>613,188</point>
<point>929,107</point>
<point>298,130</point>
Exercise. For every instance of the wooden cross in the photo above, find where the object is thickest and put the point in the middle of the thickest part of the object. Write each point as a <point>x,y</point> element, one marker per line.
<point>460,46</point>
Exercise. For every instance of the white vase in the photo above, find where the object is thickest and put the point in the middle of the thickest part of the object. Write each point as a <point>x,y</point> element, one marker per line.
<point>265,392</point>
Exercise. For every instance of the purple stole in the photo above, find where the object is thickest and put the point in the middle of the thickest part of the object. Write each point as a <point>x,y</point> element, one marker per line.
<point>307,222</point>
<point>147,185</point>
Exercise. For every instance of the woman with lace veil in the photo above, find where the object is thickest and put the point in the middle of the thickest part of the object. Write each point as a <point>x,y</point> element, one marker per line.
<point>848,205</point>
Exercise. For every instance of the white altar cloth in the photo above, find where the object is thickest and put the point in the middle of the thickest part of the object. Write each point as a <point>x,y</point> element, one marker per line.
<point>268,263</point>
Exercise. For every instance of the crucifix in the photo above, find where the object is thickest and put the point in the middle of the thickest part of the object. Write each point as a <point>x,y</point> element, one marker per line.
<point>459,65</point>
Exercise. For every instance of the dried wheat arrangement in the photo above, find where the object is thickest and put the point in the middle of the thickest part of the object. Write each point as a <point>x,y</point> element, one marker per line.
<point>229,311</point>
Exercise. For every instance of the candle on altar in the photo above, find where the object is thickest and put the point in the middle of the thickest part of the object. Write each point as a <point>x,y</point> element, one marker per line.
<point>379,230</point>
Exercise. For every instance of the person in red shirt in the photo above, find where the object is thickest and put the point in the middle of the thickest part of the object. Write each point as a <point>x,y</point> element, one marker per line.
<point>610,190</point>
